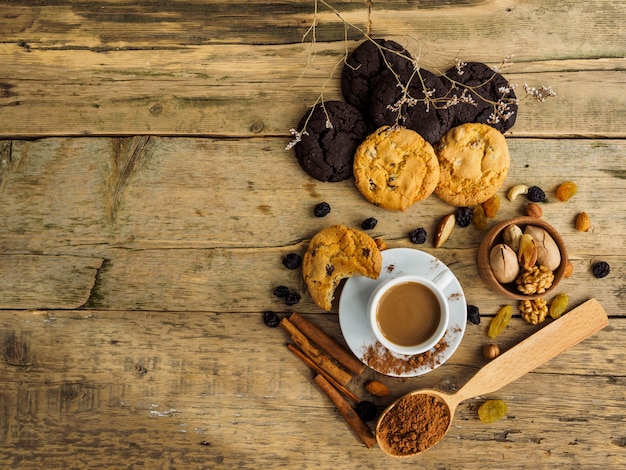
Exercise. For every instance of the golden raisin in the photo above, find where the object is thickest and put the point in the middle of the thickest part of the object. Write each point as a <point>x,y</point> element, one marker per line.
<point>569,268</point>
<point>566,190</point>
<point>491,206</point>
<point>558,306</point>
<point>500,321</point>
<point>491,411</point>
<point>479,219</point>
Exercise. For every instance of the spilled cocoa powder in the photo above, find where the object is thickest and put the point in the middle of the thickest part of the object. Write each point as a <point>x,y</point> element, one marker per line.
<point>379,358</point>
<point>416,423</point>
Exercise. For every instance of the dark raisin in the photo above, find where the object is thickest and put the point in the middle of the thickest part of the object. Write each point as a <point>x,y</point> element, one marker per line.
<point>281,291</point>
<point>536,194</point>
<point>322,209</point>
<point>473,314</point>
<point>329,269</point>
<point>464,216</point>
<point>292,298</point>
<point>271,319</point>
<point>367,410</point>
<point>292,261</point>
<point>418,236</point>
<point>369,224</point>
<point>601,269</point>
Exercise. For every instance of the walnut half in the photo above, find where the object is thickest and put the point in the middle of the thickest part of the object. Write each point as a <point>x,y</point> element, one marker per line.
<point>533,311</point>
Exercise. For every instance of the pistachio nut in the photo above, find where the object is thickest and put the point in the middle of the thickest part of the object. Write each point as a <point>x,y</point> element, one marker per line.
<point>503,262</point>
<point>511,236</point>
<point>548,253</point>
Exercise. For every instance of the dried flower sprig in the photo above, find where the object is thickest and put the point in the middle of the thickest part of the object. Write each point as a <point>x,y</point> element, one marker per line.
<point>502,108</point>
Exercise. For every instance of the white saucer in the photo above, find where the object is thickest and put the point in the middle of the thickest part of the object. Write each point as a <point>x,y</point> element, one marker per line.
<point>354,322</point>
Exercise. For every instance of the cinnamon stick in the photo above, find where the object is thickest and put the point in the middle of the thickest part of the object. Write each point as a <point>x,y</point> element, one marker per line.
<point>327,343</point>
<point>337,373</point>
<point>298,353</point>
<point>361,429</point>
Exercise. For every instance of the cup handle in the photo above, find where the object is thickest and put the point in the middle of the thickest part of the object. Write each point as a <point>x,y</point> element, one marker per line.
<point>443,278</point>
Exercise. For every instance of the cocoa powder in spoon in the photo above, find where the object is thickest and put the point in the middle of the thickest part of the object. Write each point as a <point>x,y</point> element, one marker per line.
<point>416,423</point>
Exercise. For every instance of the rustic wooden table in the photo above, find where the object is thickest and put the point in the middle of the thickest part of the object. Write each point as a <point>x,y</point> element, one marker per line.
<point>147,200</point>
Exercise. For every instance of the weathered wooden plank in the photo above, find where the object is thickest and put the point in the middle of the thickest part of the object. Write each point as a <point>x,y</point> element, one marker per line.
<point>202,390</point>
<point>154,210</point>
<point>213,91</point>
<point>200,85</point>
<point>31,281</point>
<point>115,24</point>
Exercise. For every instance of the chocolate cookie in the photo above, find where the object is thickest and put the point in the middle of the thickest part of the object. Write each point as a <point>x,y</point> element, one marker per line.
<point>364,66</point>
<point>473,163</point>
<point>395,167</point>
<point>327,153</point>
<point>335,253</point>
<point>389,105</point>
<point>486,88</point>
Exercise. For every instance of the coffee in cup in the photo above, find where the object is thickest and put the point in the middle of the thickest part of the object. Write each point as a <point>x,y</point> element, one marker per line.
<point>410,314</point>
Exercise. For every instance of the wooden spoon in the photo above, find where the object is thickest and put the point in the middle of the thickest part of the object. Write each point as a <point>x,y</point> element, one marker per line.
<point>550,341</point>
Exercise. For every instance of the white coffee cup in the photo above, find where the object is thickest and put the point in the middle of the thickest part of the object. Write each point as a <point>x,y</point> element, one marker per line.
<point>410,314</point>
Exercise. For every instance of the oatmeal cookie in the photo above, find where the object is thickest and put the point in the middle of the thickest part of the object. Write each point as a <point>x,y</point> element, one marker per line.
<point>395,167</point>
<point>474,162</point>
<point>335,253</point>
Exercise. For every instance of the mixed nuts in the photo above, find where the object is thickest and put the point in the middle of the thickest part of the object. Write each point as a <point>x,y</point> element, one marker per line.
<point>526,257</point>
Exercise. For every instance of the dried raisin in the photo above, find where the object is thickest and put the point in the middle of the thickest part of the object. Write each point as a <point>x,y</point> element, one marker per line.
<point>536,194</point>
<point>500,321</point>
<point>473,314</point>
<point>491,206</point>
<point>418,236</point>
<point>271,319</point>
<point>292,261</point>
<point>292,298</point>
<point>464,216</point>
<point>601,269</point>
<point>369,223</point>
<point>479,219</point>
<point>566,191</point>
<point>558,306</point>
<point>491,411</point>
<point>281,291</point>
<point>367,410</point>
<point>322,209</point>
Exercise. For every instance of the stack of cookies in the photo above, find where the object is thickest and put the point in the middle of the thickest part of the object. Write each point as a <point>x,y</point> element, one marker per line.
<point>403,132</point>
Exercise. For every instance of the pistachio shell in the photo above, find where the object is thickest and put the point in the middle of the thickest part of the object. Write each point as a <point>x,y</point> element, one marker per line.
<point>548,253</point>
<point>503,262</point>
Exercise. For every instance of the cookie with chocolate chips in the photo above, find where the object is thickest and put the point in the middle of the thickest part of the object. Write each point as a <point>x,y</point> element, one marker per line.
<point>334,130</point>
<point>486,87</point>
<point>365,65</point>
<point>408,105</point>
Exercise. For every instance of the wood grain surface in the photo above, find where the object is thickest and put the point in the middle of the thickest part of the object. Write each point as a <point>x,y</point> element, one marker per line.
<point>147,199</point>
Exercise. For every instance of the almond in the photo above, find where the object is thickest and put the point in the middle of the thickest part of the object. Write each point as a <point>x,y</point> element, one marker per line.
<point>378,389</point>
<point>582,222</point>
<point>533,209</point>
<point>527,254</point>
<point>444,229</point>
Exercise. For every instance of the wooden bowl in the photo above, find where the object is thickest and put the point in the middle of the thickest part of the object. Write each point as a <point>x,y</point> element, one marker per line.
<point>494,236</point>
